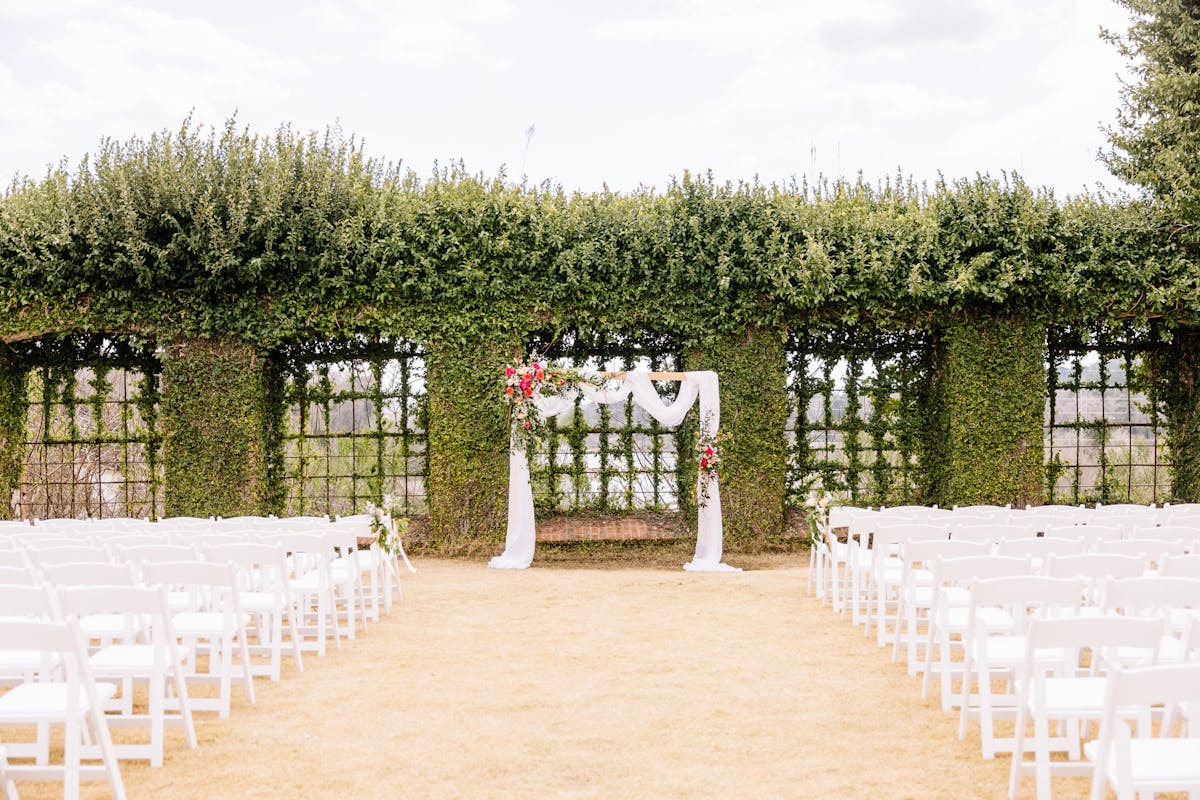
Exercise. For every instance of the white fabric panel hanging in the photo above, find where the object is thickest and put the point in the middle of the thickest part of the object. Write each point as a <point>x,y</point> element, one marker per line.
<point>521,538</point>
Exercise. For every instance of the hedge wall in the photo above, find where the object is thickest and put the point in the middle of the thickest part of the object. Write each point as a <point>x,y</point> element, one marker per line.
<point>224,246</point>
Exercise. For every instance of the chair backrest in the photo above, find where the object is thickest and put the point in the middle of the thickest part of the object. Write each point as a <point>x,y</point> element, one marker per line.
<point>1151,549</point>
<point>1187,533</point>
<point>259,566</point>
<point>13,558</point>
<point>1095,565</point>
<point>1042,516</point>
<point>964,569</point>
<point>61,645</point>
<point>1156,596</point>
<point>42,556</point>
<point>992,532</point>
<point>82,573</point>
<point>137,603</point>
<point>150,553</point>
<point>1186,566</point>
<point>1089,533</point>
<point>1020,596</point>
<point>37,602</point>
<point>18,576</point>
<point>208,586</point>
<point>1097,634</point>
<point>926,552</point>
<point>1040,548</point>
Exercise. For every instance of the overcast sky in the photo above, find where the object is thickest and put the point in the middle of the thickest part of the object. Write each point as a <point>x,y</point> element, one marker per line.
<point>618,92</point>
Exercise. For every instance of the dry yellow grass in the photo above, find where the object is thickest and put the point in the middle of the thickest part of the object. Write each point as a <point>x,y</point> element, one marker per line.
<point>580,679</point>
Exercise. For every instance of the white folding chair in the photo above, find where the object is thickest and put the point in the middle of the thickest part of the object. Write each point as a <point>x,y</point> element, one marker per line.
<point>266,597</point>
<point>992,652</point>
<point>1054,685</point>
<point>1144,764</point>
<point>948,614</point>
<point>832,557</point>
<point>916,591</point>
<point>19,603</point>
<point>346,572</point>
<point>213,621</point>
<point>156,664</point>
<point>70,698</point>
<point>311,585</point>
<point>886,569</point>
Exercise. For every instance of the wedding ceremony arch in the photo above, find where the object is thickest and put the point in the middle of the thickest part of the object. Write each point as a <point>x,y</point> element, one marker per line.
<point>521,537</point>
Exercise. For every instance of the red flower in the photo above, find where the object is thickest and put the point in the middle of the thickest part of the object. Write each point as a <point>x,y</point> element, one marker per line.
<point>528,424</point>
<point>528,392</point>
<point>539,375</point>
<point>509,372</point>
<point>704,463</point>
<point>537,366</point>
<point>708,451</point>
<point>508,390</point>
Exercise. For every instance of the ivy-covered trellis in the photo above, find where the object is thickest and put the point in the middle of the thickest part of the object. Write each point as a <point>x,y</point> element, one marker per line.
<point>611,458</point>
<point>856,414</point>
<point>92,441</point>
<point>232,255</point>
<point>1104,440</point>
<point>353,428</point>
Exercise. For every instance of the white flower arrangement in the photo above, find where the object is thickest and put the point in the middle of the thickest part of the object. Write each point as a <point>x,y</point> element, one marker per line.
<point>816,513</point>
<point>387,525</point>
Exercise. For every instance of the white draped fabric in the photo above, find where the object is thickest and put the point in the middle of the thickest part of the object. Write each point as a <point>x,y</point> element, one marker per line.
<point>521,539</point>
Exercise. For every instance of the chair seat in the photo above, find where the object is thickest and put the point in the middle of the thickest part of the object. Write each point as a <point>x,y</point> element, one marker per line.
<point>45,702</point>
<point>127,658</point>
<point>1169,763</point>
<point>259,601</point>
<point>199,623</point>
<point>108,626</point>
<point>1068,697</point>
<point>18,662</point>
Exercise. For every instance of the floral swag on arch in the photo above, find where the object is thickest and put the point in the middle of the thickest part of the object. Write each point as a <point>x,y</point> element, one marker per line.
<point>535,391</point>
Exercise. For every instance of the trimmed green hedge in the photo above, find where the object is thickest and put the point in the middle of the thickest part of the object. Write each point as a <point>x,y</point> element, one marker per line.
<point>993,390</point>
<point>216,427</point>
<point>228,246</point>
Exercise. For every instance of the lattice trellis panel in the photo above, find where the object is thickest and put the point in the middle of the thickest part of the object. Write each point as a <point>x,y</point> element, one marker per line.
<point>853,422</point>
<point>92,444</point>
<point>354,426</point>
<point>610,458</point>
<point>1104,442</point>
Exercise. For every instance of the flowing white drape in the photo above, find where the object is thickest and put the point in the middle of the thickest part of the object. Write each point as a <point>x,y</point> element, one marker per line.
<point>521,539</point>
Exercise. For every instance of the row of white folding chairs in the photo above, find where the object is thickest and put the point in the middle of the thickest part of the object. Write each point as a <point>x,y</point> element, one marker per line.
<point>1015,592</point>
<point>370,575</point>
<point>896,578</point>
<point>130,634</point>
<point>379,568</point>
<point>331,603</point>
<point>843,571</point>
<point>1054,664</point>
<point>66,694</point>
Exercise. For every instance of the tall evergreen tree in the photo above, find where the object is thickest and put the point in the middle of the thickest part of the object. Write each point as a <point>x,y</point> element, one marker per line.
<point>1156,140</point>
